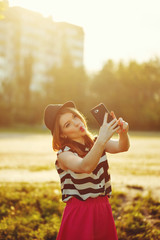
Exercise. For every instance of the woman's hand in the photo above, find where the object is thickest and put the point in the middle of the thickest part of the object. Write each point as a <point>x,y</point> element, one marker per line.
<point>108,129</point>
<point>124,127</point>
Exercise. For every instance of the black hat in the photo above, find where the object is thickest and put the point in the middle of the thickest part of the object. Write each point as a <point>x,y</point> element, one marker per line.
<point>51,111</point>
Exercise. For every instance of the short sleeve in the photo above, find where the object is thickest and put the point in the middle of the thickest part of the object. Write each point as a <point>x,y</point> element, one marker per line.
<point>65,149</point>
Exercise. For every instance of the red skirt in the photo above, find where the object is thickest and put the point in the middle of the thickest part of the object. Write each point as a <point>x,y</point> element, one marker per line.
<point>91,219</point>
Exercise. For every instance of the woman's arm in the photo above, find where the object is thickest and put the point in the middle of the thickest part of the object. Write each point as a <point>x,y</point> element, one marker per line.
<point>67,160</point>
<point>116,146</point>
<point>123,144</point>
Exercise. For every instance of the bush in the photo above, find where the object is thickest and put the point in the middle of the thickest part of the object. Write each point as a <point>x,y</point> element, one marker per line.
<point>34,211</point>
<point>30,211</point>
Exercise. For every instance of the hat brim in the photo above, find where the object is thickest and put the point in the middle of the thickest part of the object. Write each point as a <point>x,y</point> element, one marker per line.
<point>51,112</point>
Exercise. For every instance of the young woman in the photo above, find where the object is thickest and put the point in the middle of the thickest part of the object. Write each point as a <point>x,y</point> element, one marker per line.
<point>83,169</point>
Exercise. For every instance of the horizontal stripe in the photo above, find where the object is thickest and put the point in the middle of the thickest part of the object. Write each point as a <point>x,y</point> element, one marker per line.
<point>84,185</point>
<point>88,179</point>
<point>65,199</point>
<point>64,176</point>
<point>107,184</point>
<point>82,194</point>
<point>78,175</point>
<point>65,149</point>
<point>83,175</point>
<point>103,164</point>
<point>108,190</point>
<point>59,170</point>
<point>94,188</point>
<point>68,149</point>
<point>73,192</point>
<point>83,191</point>
<point>64,179</point>
<point>85,180</point>
<point>99,184</point>
<point>87,186</point>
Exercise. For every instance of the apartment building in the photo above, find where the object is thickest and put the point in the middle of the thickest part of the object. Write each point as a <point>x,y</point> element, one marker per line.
<point>27,34</point>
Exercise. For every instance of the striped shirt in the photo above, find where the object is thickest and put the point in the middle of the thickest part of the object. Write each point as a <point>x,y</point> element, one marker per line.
<point>84,185</point>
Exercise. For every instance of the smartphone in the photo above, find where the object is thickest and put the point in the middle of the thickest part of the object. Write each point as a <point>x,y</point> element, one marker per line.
<point>99,111</point>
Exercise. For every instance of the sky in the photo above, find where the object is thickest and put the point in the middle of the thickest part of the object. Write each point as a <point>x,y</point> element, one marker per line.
<point>121,30</point>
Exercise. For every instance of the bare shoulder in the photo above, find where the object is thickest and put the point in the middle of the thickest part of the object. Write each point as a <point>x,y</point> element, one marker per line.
<point>65,155</point>
<point>61,158</point>
<point>68,160</point>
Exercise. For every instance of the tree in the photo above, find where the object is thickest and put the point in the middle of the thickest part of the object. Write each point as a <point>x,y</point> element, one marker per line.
<point>105,86</point>
<point>23,92</point>
<point>67,83</point>
<point>132,91</point>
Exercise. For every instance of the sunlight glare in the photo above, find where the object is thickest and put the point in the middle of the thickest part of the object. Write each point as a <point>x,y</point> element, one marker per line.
<point>113,29</point>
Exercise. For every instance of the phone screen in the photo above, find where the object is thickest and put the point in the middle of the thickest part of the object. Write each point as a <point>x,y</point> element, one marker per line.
<point>99,112</point>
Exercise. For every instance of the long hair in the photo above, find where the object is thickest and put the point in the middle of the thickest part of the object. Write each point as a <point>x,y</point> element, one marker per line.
<point>60,142</point>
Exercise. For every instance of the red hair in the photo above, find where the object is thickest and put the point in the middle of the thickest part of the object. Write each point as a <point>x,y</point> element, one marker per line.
<point>60,142</point>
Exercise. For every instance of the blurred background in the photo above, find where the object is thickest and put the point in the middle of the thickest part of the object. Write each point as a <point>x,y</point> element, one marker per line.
<point>87,51</point>
<point>44,61</point>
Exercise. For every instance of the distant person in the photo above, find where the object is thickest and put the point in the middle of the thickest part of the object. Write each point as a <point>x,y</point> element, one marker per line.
<point>83,170</point>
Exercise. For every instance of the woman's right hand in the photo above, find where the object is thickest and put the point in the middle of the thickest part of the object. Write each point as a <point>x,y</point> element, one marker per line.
<point>107,129</point>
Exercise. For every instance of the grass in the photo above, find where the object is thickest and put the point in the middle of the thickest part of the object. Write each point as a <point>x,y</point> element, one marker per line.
<point>30,211</point>
<point>22,128</point>
<point>32,168</point>
<point>34,211</point>
<point>41,128</point>
<point>144,134</point>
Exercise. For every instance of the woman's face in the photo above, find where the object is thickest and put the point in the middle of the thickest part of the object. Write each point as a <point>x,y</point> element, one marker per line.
<point>72,127</point>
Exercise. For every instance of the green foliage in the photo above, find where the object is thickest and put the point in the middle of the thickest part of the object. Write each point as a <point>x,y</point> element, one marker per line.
<point>29,211</point>
<point>34,211</point>
<point>67,82</point>
<point>132,91</point>
<point>137,221</point>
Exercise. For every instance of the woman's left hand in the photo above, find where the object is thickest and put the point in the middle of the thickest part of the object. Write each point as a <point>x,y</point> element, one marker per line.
<point>124,127</point>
